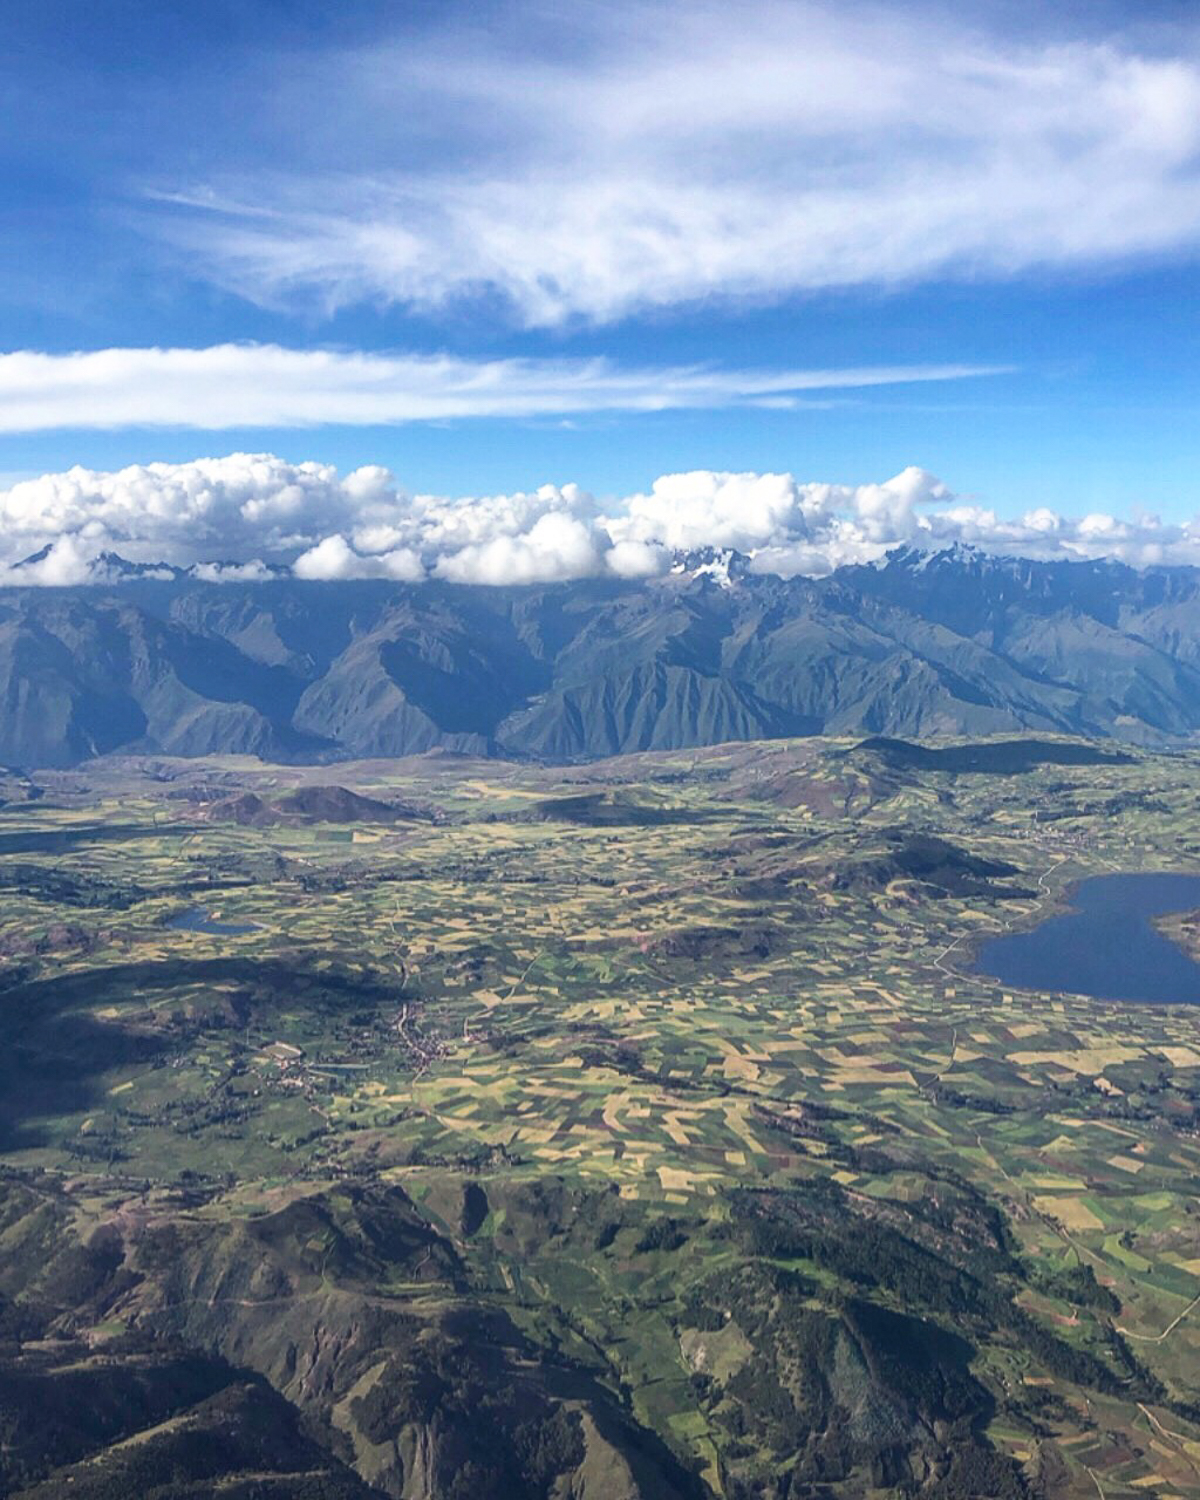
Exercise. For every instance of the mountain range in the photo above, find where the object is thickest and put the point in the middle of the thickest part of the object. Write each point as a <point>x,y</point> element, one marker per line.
<point>157,660</point>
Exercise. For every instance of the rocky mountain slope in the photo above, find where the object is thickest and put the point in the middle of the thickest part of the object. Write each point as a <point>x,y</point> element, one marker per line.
<point>956,643</point>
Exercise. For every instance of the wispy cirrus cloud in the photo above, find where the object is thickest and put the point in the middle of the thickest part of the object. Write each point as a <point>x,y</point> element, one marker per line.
<point>263,385</point>
<point>658,153</point>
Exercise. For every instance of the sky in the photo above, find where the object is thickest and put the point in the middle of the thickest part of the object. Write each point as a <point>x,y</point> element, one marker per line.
<point>375,284</point>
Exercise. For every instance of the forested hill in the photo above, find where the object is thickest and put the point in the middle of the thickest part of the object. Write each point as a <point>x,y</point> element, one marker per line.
<point>957,642</point>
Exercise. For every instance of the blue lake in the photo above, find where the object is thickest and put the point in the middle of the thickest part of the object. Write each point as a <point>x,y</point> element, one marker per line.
<point>1106,945</point>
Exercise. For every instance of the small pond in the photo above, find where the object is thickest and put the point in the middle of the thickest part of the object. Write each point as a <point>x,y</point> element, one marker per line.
<point>199,920</point>
<point>1106,945</point>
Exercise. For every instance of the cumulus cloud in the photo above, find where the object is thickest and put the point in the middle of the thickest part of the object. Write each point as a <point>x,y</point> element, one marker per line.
<point>234,508</point>
<point>630,559</point>
<point>254,571</point>
<point>66,561</point>
<point>785,525</point>
<point>263,385</point>
<point>675,150</point>
<point>334,558</point>
<point>247,517</point>
<point>556,546</point>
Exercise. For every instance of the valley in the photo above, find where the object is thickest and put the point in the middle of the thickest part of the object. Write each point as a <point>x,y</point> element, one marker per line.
<point>452,1126</point>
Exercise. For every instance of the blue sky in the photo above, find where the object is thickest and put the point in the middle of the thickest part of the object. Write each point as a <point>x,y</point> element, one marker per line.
<point>1001,212</point>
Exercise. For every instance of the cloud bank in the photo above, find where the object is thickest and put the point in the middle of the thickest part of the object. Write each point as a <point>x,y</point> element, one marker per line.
<point>247,516</point>
<point>651,154</point>
<point>263,385</point>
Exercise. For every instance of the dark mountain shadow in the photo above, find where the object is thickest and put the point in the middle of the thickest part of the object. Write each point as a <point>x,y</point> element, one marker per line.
<point>997,758</point>
<point>64,840</point>
<point>56,1052</point>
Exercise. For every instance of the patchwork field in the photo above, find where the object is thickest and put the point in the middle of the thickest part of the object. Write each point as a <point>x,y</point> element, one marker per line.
<point>673,1073</point>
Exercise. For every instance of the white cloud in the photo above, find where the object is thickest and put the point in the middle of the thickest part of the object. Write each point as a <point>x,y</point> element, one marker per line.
<point>334,558</point>
<point>66,561</point>
<point>256,514</point>
<point>674,150</point>
<point>263,385</point>
<point>630,559</point>
<point>767,512</point>
<point>254,571</point>
<point>705,509</point>
<point>230,508</point>
<point>555,547</point>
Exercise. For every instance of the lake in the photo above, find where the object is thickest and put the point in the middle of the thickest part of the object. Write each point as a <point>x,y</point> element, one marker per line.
<point>1106,946</point>
<point>198,920</point>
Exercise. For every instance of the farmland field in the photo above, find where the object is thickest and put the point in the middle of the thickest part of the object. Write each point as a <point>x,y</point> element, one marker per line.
<point>641,1127</point>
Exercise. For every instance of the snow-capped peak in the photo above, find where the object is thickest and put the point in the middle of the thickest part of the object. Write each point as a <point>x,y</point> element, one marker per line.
<point>723,565</point>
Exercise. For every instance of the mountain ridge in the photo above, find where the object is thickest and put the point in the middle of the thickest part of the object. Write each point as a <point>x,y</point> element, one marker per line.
<point>923,644</point>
